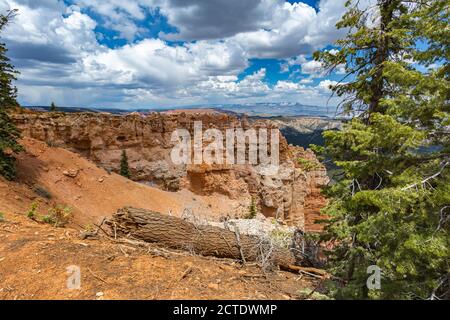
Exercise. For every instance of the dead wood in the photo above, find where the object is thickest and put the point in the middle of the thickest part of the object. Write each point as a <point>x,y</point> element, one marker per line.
<point>206,240</point>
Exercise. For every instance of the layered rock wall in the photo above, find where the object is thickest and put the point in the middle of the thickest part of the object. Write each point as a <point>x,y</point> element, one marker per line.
<point>101,137</point>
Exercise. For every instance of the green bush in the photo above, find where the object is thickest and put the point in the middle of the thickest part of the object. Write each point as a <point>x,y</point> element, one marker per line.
<point>308,165</point>
<point>312,295</point>
<point>32,213</point>
<point>58,216</point>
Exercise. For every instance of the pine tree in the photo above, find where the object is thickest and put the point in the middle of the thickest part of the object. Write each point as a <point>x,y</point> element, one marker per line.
<point>53,107</point>
<point>252,209</point>
<point>391,205</point>
<point>124,167</point>
<point>9,134</point>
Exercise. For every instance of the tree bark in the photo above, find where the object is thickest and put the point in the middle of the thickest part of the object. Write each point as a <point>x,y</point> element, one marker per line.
<point>206,240</point>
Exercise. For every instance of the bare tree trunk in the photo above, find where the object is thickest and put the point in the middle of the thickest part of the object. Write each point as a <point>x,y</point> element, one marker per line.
<point>177,233</point>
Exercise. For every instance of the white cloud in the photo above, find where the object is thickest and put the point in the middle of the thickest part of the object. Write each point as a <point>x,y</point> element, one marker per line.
<point>264,28</point>
<point>324,85</point>
<point>119,15</point>
<point>306,81</point>
<point>151,63</point>
<point>288,86</point>
<point>313,68</point>
<point>56,49</point>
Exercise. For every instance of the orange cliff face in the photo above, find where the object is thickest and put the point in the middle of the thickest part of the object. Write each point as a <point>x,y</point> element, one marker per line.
<point>101,137</point>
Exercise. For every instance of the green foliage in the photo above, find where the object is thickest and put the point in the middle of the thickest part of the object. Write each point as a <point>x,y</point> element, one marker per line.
<point>58,216</point>
<point>390,207</point>
<point>308,165</point>
<point>252,209</point>
<point>9,134</point>
<point>53,107</point>
<point>89,227</point>
<point>32,212</point>
<point>47,219</point>
<point>311,295</point>
<point>124,167</point>
<point>2,217</point>
<point>8,92</point>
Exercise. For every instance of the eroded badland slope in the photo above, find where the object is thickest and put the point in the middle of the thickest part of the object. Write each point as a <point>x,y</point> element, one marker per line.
<point>34,255</point>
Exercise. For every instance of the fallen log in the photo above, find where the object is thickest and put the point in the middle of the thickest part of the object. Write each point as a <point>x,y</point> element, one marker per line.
<point>206,240</point>
<point>310,270</point>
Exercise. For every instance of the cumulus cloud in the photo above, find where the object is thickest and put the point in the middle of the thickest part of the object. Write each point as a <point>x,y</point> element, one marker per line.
<point>325,85</point>
<point>154,64</point>
<point>56,48</point>
<point>217,19</point>
<point>313,68</point>
<point>265,29</point>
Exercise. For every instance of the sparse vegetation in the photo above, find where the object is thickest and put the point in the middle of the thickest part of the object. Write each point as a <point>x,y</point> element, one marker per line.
<point>312,295</point>
<point>252,209</point>
<point>124,167</point>
<point>32,212</point>
<point>2,217</point>
<point>53,107</point>
<point>308,165</point>
<point>58,216</point>
<point>281,237</point>
<point>89,227</point>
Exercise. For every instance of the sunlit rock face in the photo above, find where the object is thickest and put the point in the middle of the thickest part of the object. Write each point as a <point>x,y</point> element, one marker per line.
<point>147,139</point>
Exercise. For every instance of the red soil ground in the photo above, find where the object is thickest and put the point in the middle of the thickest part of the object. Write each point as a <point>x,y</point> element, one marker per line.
<point>34,255</point>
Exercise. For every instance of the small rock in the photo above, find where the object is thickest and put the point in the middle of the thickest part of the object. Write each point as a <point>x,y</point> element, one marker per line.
<point>99,294</point>
<point>101,179</point>
<point>70,173</point>
<point>214,286</point>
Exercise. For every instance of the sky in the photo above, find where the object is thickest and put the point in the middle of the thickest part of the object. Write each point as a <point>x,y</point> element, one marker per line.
<point>169,53</point>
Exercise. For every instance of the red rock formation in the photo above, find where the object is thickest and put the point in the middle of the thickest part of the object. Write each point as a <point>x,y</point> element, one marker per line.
<point>101,138</point>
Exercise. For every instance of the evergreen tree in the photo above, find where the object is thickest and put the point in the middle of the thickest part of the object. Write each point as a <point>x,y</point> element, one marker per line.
<point>9,134</point>
<point>391,206</point>
<point>124,167</point>
<point>53,107</point>
<point>253,209</point>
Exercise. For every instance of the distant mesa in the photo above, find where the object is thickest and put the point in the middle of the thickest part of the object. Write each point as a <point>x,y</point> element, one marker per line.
<point>264,110</point>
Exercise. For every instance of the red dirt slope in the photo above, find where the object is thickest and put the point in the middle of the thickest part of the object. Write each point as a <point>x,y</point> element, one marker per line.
<point>90,191</point>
